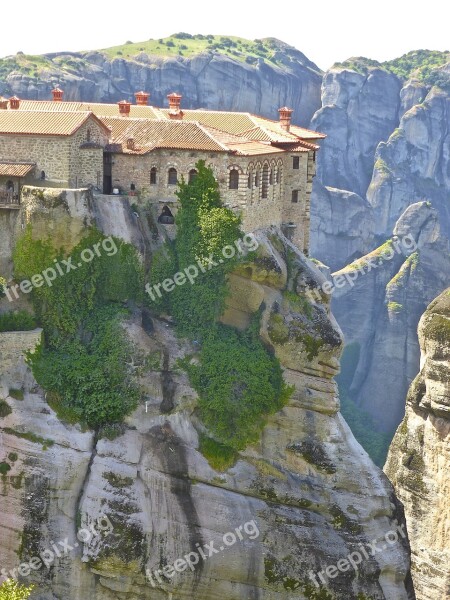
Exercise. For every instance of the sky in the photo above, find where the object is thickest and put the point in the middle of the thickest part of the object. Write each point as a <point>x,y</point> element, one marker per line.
<point>326,31</point>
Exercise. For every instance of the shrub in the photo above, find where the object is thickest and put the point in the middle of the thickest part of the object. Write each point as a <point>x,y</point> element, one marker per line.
<point>17,321</point>
<point>10,589</point>
<point>5,409</point>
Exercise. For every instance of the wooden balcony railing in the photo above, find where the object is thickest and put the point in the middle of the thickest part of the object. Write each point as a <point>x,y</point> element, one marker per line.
<point>9,199</point>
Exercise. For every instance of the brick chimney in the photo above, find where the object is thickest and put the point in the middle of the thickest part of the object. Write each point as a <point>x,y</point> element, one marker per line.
<point>57,94</point>
<point>124,108</point>
<point>14,102</point>
<point>285,117</point>
<point>142,98</point>
<point>175,111</point>
<point>130,144</point>
<point>3,103</point>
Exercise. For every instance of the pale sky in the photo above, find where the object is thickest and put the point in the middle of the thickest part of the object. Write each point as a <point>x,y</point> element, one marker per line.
<point>326,31</point>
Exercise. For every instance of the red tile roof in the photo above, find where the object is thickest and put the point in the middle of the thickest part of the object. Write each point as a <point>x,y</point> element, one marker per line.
<point>16,169</point>
<point>22,122</point>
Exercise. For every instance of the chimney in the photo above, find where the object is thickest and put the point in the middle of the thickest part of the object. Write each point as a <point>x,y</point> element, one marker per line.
<point>124,108</point>
<point>3,103</point>
<point>130,144</point>
<point>285,117</point>
<point>142,98</point>
<point>14,102</point>
<point>175,111</point>
<point>57,94</point>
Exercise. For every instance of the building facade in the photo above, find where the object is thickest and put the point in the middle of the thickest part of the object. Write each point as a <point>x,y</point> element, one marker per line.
<point>264,168</point>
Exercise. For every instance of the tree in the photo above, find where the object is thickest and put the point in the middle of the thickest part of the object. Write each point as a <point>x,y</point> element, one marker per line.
<point>11,590</point>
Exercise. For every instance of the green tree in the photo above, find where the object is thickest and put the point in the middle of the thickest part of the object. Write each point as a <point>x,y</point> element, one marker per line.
<point>11,590</point>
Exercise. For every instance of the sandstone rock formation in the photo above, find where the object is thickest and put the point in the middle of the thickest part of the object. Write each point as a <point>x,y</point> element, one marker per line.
<point>379,310</point>
<point>312,491</point>
<point>418,461</point>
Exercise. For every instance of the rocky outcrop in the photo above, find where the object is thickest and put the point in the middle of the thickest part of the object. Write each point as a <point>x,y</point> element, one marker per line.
<point>207,80</point>
<point>358,111</point>
<point>379,302</point>
<point>418,460</point>
<point>306,492</point>
<point>414,163</point>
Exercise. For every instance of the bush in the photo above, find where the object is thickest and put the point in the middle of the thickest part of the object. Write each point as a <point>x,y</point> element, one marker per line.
<point>85,356</point>
<point>239,383</point>
<point>10,589</point>
<point>170,44</point>
<point>17,321</point>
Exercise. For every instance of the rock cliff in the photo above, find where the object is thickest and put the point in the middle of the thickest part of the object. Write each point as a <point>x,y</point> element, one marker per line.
<point>311,492</point>
<point>418,461</point>
<point>379,306</point>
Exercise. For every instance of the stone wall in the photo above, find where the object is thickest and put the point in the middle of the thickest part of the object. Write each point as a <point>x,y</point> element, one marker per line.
<point>13,345</point>
<point>60,157</point>
<point>272,173</point>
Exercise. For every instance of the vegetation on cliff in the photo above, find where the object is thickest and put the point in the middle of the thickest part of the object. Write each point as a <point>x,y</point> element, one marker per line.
<point>238,380</point>
<point>85,355</point>
<point>10,589</point>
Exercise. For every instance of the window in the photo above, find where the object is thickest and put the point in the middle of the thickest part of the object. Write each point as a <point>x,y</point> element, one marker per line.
<point>265,182</point>
<point>294,196</point>
<point>278,175</point>
<point>42,175</point>
<point>192,175</point>
<point>234,180</point>
<point>250,180</point>
<point>173,176</point>
<point>296,162</point>
<point>9,186</point>
<point>153,176</point>
<point>88,135</point>
<point>271,177</point>
<point>257,179</point>
<point>133,187</point>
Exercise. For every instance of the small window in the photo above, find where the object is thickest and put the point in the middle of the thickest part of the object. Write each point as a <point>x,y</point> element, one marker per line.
<point>250,180</point>
<point>88,135</point>
<point>9,186</point>
<point>42,175</point>
<point>296,162</point>
<point>278,175</point>
<point>192,175</point>
<point>153,176</point>
<point>133,187</point>
<point>257,179</point>
<point>173,177</point>
<point>234,180</point>
<point>271,177</point>
<point>295,196</point>
<point>265,182</point>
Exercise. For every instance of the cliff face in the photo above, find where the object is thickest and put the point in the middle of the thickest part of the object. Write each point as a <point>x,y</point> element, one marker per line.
<point>418,461</point>
<point>379,307</point>
<point>305,496</point>
<point>206,80</point>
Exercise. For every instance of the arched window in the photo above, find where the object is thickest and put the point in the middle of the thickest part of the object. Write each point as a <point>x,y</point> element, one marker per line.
<point>234,180</point>
<point>250,181</point>
<point>257,179</point>
<point>42,175</point>
<point>133,187</point>
<point>192,175</point>
<point>166,217</point>
<point>88,135</point>
<point>278,177</point>
<point>153,176</point>
<point>265,182</point>
<point>172,177</point>
<point>271,177</point>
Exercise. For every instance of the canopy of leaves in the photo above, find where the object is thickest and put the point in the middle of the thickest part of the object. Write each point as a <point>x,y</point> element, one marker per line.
<point>85,355</point>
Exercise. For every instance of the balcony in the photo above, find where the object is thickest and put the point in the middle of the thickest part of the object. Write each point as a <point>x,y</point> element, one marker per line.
<point>9,199</point>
